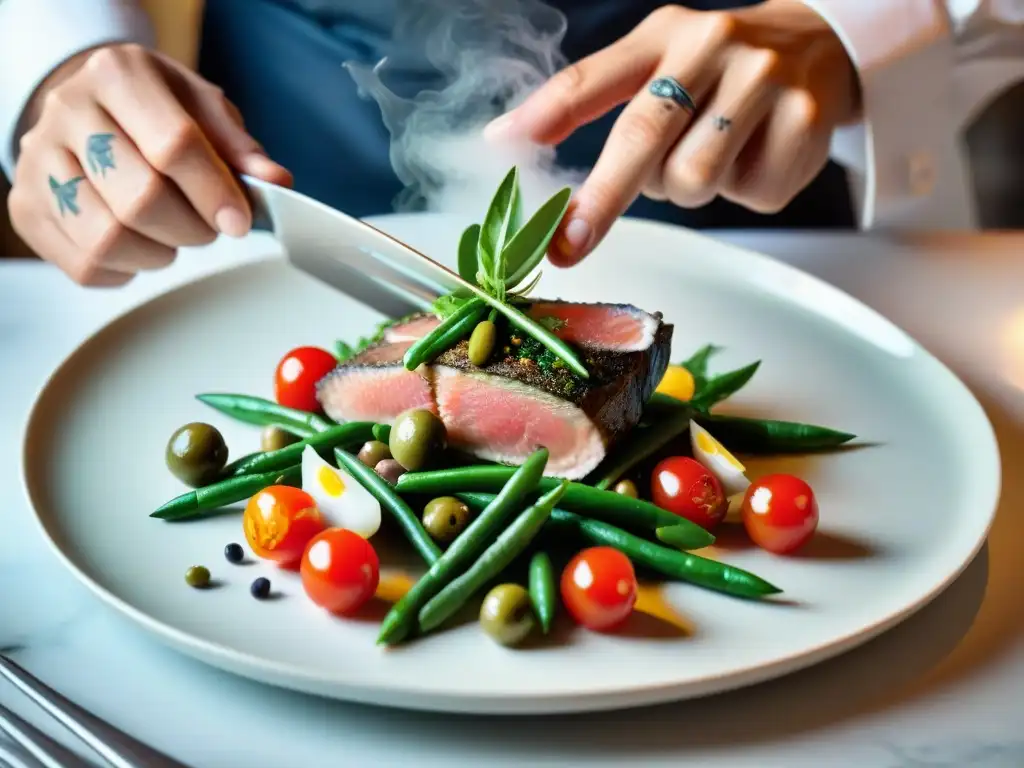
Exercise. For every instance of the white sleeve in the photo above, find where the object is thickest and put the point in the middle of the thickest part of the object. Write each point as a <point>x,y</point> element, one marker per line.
<point>37,36</point>
<point>927,67</point>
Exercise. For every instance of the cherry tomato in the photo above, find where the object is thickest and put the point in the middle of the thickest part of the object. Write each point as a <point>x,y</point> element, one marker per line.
<point>780,513</point>
<point>279,521</point>
<point>340,570</point>
<point>297,375</point>
<point>599,588</point>
<point>684,487</point>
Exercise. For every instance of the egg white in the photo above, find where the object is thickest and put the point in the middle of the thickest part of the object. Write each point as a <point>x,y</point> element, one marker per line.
<point>342,500</point>
<point>731,476</point>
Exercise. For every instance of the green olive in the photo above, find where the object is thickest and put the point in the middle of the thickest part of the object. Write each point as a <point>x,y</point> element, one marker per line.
<point>418,437</point>
<point>481,342</point>
<point>197,576</point>
<point>445,518</point>
<point>627,488</point>
<point>507,614</point>
<point>196,453</point>
<point>374,452</point>
<point>275,438</point>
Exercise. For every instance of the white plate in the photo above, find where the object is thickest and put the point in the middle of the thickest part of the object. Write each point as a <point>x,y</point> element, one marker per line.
<point>899,520</point>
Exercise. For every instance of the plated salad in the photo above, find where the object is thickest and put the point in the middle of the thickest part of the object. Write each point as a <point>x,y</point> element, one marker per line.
<point>539,454</point>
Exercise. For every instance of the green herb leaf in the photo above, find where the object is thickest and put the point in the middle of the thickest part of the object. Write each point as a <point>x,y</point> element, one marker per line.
<point>343,351</point>
<point>725,385</point>
<point>528,325</point>
<point>551,323</point>
<point>447,305</point>
<point>528,246</point>
<point>468,265</point>
<point>503,219</point>
<point>522,293</point>
<point>697,365</point>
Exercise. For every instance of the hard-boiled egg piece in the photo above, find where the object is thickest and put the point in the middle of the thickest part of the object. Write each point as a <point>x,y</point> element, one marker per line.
<point>677,382</point>
<point>343,502</point>
<point>717,459</point>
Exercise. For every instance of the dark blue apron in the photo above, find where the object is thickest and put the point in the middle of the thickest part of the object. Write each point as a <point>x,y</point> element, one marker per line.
<point>280,62</point>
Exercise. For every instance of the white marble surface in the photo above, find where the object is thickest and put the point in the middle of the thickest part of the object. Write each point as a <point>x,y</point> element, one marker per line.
<point>943,689</point>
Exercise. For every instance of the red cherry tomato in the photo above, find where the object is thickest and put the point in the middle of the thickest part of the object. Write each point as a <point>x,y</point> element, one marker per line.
<point>599,588</point>
<point>684,487</point>
<point>340,570</point>
<point>780,513</point>
<point>297,375</point>
<point>279,521</point>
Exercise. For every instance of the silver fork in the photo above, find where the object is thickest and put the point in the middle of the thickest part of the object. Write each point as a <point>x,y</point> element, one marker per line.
<point>114,746</point>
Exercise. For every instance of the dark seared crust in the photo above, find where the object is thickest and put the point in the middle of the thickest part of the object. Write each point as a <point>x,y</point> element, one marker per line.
<point>613,397</point>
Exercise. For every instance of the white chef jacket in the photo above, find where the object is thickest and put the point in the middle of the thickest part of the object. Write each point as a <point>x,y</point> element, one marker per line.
<point>927,68</point>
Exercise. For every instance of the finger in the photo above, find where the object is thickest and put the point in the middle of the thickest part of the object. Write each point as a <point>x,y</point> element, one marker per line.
<point>636,145</point>
<point>102,241</point>
<point>580,93</point>
<point>792,149</point>
<point>168,137</point>
<point>139,197</point>
<point>224,126</point>
<point>693,169</point>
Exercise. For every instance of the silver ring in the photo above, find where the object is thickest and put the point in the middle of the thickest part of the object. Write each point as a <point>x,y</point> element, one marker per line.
<point>669,88</point>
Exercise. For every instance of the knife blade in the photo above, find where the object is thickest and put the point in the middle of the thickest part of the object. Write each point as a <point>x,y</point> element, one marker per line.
<point>348,254</point>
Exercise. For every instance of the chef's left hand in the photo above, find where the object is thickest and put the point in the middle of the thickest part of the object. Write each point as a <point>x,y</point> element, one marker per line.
<point>770,83</point>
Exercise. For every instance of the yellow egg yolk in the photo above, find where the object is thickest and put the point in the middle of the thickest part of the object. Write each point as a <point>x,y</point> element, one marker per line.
<point>677,382</point>
<point>331,482</point>
<point>709,445</point>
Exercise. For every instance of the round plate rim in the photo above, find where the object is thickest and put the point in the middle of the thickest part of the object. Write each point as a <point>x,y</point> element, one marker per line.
<point>407,695</point>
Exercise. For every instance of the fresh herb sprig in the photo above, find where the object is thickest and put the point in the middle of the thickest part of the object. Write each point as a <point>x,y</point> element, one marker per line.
<point>497,256</point>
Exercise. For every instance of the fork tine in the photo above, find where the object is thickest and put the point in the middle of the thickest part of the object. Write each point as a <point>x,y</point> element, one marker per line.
<point>115,746</point>
<point>45,751</point>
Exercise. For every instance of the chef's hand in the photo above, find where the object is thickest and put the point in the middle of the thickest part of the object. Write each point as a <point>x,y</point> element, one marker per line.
<point>770,83</point>
<point>129,157</point>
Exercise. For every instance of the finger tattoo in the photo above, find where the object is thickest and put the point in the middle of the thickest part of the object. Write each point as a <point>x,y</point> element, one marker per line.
<point>100,153</point>
<point>722,123</point>
<point>670,88</point>
<point>66,194</point>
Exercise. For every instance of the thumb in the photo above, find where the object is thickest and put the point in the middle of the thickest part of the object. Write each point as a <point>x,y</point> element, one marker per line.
<point>223,125</point>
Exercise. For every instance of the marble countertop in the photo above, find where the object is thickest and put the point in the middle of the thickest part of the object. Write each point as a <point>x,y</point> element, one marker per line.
<point>943,689</point>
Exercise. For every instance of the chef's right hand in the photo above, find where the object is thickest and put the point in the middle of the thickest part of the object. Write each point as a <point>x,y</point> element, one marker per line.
<point>129,157</point>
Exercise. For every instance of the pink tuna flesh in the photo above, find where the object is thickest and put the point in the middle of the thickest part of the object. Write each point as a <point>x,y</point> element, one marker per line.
<point>502,420</point>
<point>601,326</point>
<point>411,330</point>
<point>374,394</point>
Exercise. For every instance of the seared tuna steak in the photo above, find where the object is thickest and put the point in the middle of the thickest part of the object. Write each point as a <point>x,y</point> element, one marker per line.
<point>524,397</point>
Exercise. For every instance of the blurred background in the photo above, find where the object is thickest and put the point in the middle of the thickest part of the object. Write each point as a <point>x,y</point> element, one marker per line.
<point>995,144</point>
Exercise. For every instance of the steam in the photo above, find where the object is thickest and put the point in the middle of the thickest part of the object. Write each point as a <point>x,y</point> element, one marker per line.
<point>492,53</point>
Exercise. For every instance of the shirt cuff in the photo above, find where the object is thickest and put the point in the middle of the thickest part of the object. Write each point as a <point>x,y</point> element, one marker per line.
<point>912,168</point>
<point>37,36</point>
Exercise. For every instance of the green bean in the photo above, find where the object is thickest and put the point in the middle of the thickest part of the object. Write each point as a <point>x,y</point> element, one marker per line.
<point>720,387</point>
<point>606,505</point>
<point>466,548</point>
<point>264,413</point>
<point>357,432</point>
<point>679,534</point>
<point>392,502</point>
<point>382,432</point>
<point>682,566</point>
<point>543,591</point>
<point>512,541</point>
<point>643,443</point>
<point>743,435</point>
<point>446,335</point>
<point>200,502</point>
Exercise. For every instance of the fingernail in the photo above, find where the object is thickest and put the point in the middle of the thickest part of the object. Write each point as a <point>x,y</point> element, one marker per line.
<point>574,239</point>
<point>257,164</point>
<point>232,222</point>
<point>500,127</point>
